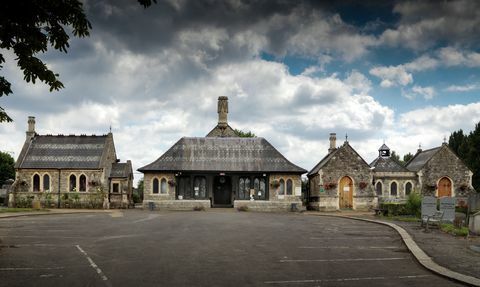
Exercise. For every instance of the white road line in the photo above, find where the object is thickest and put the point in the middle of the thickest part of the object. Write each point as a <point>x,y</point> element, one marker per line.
<point>150,217</point>
<point>352,238</point>
<point>343,260</point>
<point>92,264</point>
<point>29,268</point>
<point>348,247</point>
<point>346,279</point>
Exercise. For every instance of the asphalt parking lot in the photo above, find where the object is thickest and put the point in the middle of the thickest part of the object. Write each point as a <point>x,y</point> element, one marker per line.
<point>214,248</point>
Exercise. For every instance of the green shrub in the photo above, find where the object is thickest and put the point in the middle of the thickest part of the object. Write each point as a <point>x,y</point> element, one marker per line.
<point>414,204</point>
<point>450,228</point>
<point>393,208</point>
<point>136,197</point>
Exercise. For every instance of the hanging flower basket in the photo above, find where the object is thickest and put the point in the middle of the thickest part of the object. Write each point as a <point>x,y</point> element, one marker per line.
<point>275,183</point>
<point>362,185</point>
<point>330,185</point>
<point>171,182</point>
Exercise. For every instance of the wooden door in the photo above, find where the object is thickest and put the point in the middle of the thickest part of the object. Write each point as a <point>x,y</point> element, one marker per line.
<point>222,190</point>
<point>346,192</point>
<point>444,187</point>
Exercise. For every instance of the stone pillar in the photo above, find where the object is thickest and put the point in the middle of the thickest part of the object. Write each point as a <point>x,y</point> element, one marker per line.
<point>222,111</point>
<point>333,142</point>
<point>31,127</point>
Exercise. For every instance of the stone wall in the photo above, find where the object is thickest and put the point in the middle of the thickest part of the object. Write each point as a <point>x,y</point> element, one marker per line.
<point>166,204</point>
<point>148,194</point>
<point>268,206</point>
<point>273,190</point>
<point>446,164</point>
<point>401,178</point>
<point>324,186</point>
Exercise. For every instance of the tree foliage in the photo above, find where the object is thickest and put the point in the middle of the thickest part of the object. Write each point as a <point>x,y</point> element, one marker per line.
<point>7,167</point>
<point>247,134</point>
<point>30,27</point>
<point>407,157</point>
<point>467,147</point>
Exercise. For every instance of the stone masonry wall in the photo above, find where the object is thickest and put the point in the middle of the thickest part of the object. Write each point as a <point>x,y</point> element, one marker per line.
<point>148,186</point>
<point>446,163</point>
<point>273,191</point>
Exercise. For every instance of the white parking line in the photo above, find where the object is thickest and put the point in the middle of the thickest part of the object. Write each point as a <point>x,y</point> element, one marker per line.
<point>29,268</point>
<point>348,247</point>
<point>352,238</point>
<point>346,279</point>
<point>92,264</point>
<point>343,260</point>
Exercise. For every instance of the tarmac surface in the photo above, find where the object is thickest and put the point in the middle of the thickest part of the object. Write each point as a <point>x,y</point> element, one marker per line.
<point>213,248</point>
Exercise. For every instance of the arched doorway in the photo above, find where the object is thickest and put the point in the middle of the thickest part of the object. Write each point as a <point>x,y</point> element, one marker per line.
<point>444,187</point>
<point>345,192</point>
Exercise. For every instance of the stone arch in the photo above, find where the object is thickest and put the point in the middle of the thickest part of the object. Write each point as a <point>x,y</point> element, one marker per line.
<point>345,192</point>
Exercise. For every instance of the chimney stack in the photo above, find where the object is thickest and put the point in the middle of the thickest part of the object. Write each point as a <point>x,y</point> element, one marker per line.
<point>222,111</point>
<point>31,127</point>
<point>333,142</point>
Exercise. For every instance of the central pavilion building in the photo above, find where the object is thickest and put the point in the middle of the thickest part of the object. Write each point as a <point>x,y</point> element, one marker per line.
<point>222,170</point>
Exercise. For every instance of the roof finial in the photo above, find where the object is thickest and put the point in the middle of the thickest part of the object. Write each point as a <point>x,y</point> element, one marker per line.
<point>110,128</point>
<point>444,140</point>
<point>419,147</point>
<point>346,137</point>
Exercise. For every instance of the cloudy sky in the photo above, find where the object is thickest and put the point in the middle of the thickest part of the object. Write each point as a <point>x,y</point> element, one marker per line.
<point>400,72</point>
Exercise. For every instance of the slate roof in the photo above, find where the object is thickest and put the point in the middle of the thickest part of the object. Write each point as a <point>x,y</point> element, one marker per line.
<point>121,170</point>
<point>227,154</point>
<point>62,152</point>
<point>384,147</point>
<point>387,164</point>
<point>421,158</point>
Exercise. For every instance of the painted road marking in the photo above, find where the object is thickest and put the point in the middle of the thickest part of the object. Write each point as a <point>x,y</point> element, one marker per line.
<point>116,214</point>
<point>349,247</point>
<point>29,268</point>
<point>346,279</point>
<point>353,238</point>
<point>344,260</point>
<point>92,264</point>
<point>150,217</point>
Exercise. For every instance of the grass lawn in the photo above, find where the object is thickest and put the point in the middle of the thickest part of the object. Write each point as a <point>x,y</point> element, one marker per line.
<point>5,210</point>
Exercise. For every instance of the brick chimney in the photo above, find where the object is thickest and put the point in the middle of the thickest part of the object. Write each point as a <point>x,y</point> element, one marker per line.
<point>222,111</point>
<point>31,127</point>
<point>333,142</point>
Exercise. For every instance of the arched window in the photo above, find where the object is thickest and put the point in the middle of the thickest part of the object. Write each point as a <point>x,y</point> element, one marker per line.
<point>259,186</point>
<point>83,183</point>
<point>408,188</point>
<point>200,187</point>
<point>36,182</point>
<point>73,183</point>
<point>378,188</point>
<point>393,189</point>
<point>163,186</point>
<point>244,188</point>
<point>281,188</point>
<point>46,182</point>
<point>289,187</point>
<point>155,185</point>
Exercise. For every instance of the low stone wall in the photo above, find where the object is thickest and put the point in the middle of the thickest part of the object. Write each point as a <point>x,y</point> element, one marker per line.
<point>474,223</point>
<point>330,203</point>
<point>177,204</point>
<point>269,206</point>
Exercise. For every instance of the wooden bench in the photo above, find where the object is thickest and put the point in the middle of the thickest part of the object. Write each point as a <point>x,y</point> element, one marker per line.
<point>435,219</point>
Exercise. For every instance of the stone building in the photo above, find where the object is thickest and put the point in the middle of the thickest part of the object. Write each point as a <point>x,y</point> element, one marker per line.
<point>71,170</point>
<point>342,179</point>
<point>222,170</point>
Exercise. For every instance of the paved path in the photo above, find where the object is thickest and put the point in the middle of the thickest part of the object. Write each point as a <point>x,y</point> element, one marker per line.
<point>215,248</point>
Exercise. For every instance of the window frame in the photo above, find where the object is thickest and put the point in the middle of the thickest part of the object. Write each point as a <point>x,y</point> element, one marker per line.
<point>70,188</point>
<point>281,187</point>
<point>396,188</point>
<point>38,185</point>
<point>155,188</point>
<point>46,188</point>
<point>163,186</point>
<point>289,189</point>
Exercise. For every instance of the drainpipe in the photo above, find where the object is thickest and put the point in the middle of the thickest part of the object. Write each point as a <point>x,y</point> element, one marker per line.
<point>58,204</point>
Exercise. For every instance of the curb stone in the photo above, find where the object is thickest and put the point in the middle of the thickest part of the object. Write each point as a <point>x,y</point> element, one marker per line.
<point>417,252</point>
<point>23,214</point>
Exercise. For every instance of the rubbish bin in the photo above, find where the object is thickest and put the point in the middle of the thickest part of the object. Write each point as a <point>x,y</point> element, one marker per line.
<point>151,206</point>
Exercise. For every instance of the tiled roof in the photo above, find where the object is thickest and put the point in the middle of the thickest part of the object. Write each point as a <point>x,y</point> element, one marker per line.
<point>387,164</point>
<point>76,152</point>
<point>322,162</point>
<point>228,154</point>
<point>421,158</point>
<point>121,169</point>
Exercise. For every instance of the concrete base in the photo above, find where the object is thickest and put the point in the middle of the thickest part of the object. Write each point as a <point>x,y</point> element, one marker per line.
<point>269,206</point>
<point>177,204</point>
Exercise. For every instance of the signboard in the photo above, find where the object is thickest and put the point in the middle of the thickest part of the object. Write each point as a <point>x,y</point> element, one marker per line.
<point>447,205</point>
<point>429,205</point>
<point>346,189</point>
<point>298,191</point>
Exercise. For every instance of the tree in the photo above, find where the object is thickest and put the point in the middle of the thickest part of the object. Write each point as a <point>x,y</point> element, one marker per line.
<point>7,167</point>
<point>140,187</point>
<point>243,134</point>
<point>407,158</point>
<point>395,156</point>
<point>30,27</point>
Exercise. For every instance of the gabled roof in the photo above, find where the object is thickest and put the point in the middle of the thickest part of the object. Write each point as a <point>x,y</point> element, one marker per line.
<point>387,164</point>
<point>421,158</point>
<point>329,156</point>
<point>384,147</point>
<point>62,152</point>
<point>228,154</point>
<point>218,131</point>
<point>121,170</point>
